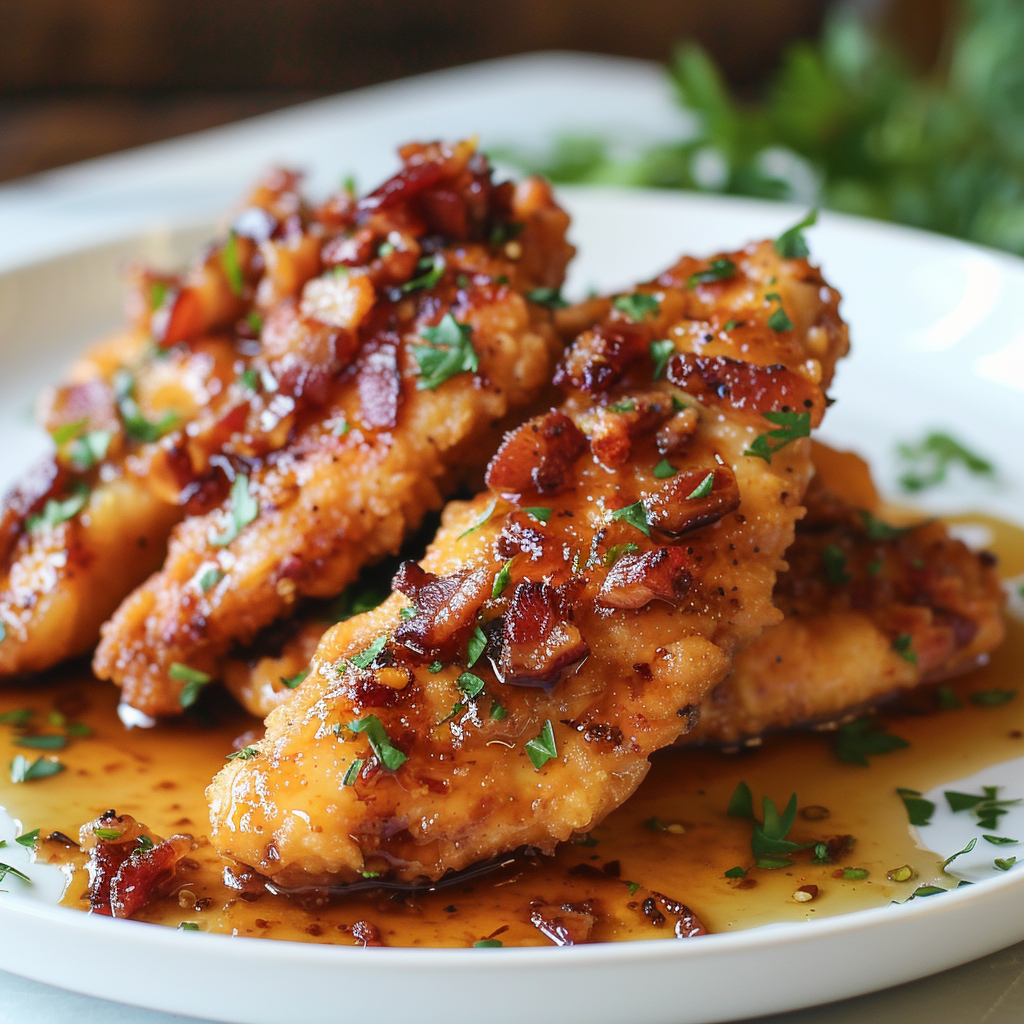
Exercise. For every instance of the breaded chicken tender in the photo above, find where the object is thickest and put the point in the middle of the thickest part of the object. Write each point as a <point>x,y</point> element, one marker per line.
<point>381,386</point>
<point>568,621</point>
<point>870,610</point>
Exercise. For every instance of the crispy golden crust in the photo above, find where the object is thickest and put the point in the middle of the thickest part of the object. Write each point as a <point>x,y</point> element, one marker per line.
<point>376,445</point>
<point>569,637</point>
<point>867,615</point>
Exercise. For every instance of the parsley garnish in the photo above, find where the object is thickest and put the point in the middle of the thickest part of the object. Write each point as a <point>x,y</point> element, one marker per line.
<point>703,489</point>
<point>352,772</point>
<point>475,647</point>
<point>834,560</point>
<point>435,667</point>
<point>498,712</point>
<point>52,741</point>
<point>255,322</point>
<point>550,297</point>
<point>902,646</point>
<point>992,698</point>
<point>821,854</point>
<point>986,807</point>
<point>431,268</point>
<point>791,425</point>
<point>210,579</point>
<point>157,293</point>
<point>471,685</point>
<point>365,658</point>
<point>292,682</point>
<point>29,839</point>
<point>778,321</point>
<point>718,270</point>
<point>483,519</point>
<point>791,244</point>
<point>626,405</point>
<point>502,580</point>
<point>7,869</point>
<point>617,551</point>
<point>931,458</point>
<point>878,530</point>
<point>664,469</point>
<point>541,748</point>
<point>388,754</point>
<point>855,874</point>
<point>18,717</point>
<point>449,353</point>
<point>193,679</point>
<point>542,515</point>
<point>355,602</point>
<point>89,450</point>
<point>41,768</point>
<point>736,872</point>
<point>856,740</point>
<point>1000,840</point>
<point>57,511</point>
<point>247,753</point>
<point>188,926</point>
<point>135,424</point>
<point>1004,865</point>
<point>967,849</point>
<point>919,810</point>
<point>741,804</point>
<point>661,352</point>
<point>768,844</point>
<point>3,632</point>
<point>635,515</point>
<point>249,379</point>
<point>232,268</point>
<point>244,509</point>
<point>488,944</point>
<point>638,306</point>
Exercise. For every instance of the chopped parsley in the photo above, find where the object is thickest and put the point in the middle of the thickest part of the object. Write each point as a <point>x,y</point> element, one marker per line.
<point>821,854</point>
<point>855,741</point>
<point>778,321</point>
<point>193,679</point>
<point>255,322</point>
<point>249,379</point>
<point>483,519</point>
<point>354,602</point>
<point>157,293</point>
<point>435,667</point>
<point>946,698</point>
<point>541,748</point>
<point>661,352</point>
<point>542,515</point>
<point>42,768</point>
<point>210,579</point>
<point>1000,840</point>
<point>292,682</point>
<point>736,872</point>
<point>244,510</point>
<point>475,647</point>
<point>626,405</point>
<point>135,424</point>
<point>718,270</point>
<point>408,612</point>
<point>876,529</point>
<point>617,551</point>
<point>703,489</point>
<point>471,685</point>
<point>902,646</point>
<point>790,426</point>
<point>18,717</point>
<point>550,297</point>
<point>1004,865</point>
<point>188,926</point>
<point>502,580</point>
<point>57,511</point>
<point>664,469</point>
<point>89,449</point>
<point>992,698</point>
<point>791,244</point>
<point>388,754</point>
<point>352,772</point>
<point>986,807</point>
<point>365,658</point>
<point>7,869</point>
<point>919,810</point>
<point>29,839</point>
<point>967,849</point>
<point>768,844</point>
<point>487,944</point>
<point>449,353</point>
<point>53,741</point>
<point>855,874</point>
<point>638,306</point>
<point>232,268</point>
<point>741,804</point>
<point>834,560</point>
<point>431,268</point>
<point>635,515</point>
<point>929,460</point>
<point>498,712</point>
<point>247,753</point>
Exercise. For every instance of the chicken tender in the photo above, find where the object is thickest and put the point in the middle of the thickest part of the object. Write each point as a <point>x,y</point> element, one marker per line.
<point>386,384</point>
<point>568,621</point>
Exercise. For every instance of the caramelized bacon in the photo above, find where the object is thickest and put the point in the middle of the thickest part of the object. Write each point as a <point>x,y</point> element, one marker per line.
<point>537,456</point>
<point>567,925</point>
<point>599,356</point>
<point>674,508</point>
<point>745,385</point>
<point>636,580</point>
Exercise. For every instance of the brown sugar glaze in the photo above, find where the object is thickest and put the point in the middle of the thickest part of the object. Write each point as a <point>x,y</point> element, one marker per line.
<point>159,776</point>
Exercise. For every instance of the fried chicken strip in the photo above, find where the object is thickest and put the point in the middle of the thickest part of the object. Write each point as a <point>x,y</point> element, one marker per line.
<point>387,383</point>
<point>567,622</point>
<point>871,610</point>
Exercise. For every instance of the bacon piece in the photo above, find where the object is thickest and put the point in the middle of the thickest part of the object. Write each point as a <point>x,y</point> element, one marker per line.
<point>366,934</point>
<point>611,428</point>
<point>567,925</point>
<point>446,608</point>
<point>539,640</point>
<point>673,510</point>
<point>636,580</point>
<point>599,356</point>
<point>45,479</point>
<point>744,385</point>
<point>537,456</point>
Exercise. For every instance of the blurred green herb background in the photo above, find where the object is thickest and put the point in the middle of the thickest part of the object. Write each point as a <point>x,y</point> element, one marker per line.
<point>849,124</point>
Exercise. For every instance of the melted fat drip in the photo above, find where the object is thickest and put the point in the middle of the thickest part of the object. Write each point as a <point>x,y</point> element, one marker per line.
<point>159,776</point>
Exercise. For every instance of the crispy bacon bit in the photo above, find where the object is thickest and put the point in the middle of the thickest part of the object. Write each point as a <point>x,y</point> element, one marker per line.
<point>672,510</point>
<point>599,356</point>
<point>636,580</point>
<point>567,925</point>
<point>539,640</point>
<point>674,436</point>
<point>45,479</point>
<point>537,456</point>
<point>611,428</point>
<point>657,906</point>
<point>128,869</point>
<point>743,385</point>
<point>366,934</point>
<point>446,608</point>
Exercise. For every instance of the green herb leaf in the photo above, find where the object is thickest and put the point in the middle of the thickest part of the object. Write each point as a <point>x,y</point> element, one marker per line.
<point>741,803</point>
<point>255,322</point>
<point>718,270</point>
<point>664,469</point>
<point>487,944</point>
<point>250,379</point>
<point>188,926</point>
<point>292,682</point>
<point>475,647</point>
<point>1000,840</point>
<point>617,551</point>
<point>931,458</point>
<point>352,772</point>
<point>498,713</point>
<point>773,863</point>
<point>7,869</point>
<point>542,515</point>
<point>947,699</point>
<point>821,854</point>
<point>927,890</point>
<point>210,579</point>
<point>902,646</point>
<point>244,510</point>
<point>20,717</point>
<point>135,424</point>
<point>635,515</point>
<point>791,425</point>
<point>435,667</point>
<point>834,560</point>
<point>638,306</point>
<point>855,874</point>
<point>962,801</point>
<point>768,840</point>
<point>29,839</point>
<point>791,244</point>
<point>877,530</point>
<point>778,321</point>
<point>919,810</point>
<point>541,748</point>
<point>232,268</point>
<point>633,888</point>
<point>50,742</point>
<point>483,519</point>
<point>967,849</point>
<point>449,353</point>
<point>550,297</point>
<point>193,679</point>
<point>431,268</point>
<point>661,352</point>
<point>247,753</point>
<point>109,834</point>
<point>42,768</point>
<point>855,741</point>
<point>365,658</point>
<point>1004,865</point>
<point>703,489</point>
<point>471,685</point>
<point>502,580</point>
<point>626,405</point>
<point>356,600</point>
<point>736,872</point>
<point>388,754</point>
<point>57,511</point>
<point>992,698</point>
<point>89,450</point>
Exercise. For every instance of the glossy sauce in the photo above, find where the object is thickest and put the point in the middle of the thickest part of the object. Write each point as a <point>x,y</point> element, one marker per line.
<point>159,776</point>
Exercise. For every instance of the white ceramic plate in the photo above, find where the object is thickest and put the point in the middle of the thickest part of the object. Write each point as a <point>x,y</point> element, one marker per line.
<point>938,343</point>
